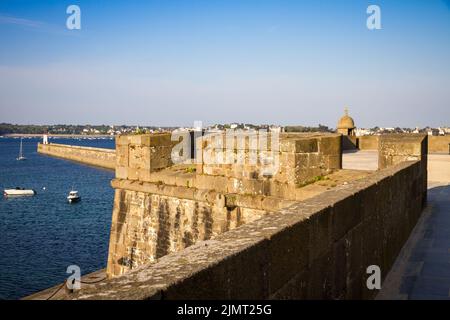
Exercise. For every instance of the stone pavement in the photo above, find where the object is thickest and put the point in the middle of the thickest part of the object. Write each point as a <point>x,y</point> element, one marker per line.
<point>360,160</point>
<point>438,168</point>
<point>422,270</point>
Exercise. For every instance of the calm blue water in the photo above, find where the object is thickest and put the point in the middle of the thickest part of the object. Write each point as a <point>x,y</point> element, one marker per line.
<point>40,236</point>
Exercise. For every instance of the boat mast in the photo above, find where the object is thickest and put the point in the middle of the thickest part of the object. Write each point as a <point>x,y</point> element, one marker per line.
<point>20,151</point>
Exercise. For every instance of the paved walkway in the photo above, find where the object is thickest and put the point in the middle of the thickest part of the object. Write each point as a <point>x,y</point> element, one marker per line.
<point>360,160</point>
<point>422,270</point>
<point>438,168</point>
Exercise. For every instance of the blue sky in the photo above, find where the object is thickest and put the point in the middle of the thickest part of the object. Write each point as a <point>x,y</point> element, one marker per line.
<point>174,62</point>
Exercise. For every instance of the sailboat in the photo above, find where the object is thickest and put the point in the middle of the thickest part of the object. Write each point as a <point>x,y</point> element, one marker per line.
<point>21,157</point>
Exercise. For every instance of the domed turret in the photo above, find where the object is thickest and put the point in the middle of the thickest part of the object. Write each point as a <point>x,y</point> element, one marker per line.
<point>346,125</point>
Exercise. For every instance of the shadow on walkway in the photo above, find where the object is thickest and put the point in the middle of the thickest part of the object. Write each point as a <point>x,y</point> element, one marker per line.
<point>422,269</point>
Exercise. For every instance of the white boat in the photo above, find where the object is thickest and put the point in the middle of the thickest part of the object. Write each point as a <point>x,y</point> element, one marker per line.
<point>73,196</point>
<point>19,192</point>
<point>21,156</point>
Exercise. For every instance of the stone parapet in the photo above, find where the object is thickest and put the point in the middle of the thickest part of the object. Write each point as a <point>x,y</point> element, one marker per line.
<point>140,155</point>
<point>396,148</point>
<point>368,142</point>
<point>294,159</point>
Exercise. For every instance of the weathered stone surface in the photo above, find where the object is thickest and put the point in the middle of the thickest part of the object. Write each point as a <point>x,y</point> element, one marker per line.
<point>151,220</point>
<point>300,158</point>
<point>368,142</point>
<point>395,148</point>
<point>140,155</point>
<point>315,249</point>
<point>184,233</point>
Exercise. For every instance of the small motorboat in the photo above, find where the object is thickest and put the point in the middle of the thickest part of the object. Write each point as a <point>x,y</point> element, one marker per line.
<point>19,192</point>
<point>73,196</point>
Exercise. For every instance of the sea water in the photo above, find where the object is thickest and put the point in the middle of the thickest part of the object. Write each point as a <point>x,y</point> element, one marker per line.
<point>40,236</point>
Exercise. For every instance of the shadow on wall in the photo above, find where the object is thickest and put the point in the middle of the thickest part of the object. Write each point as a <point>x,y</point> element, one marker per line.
<point>360,143</point>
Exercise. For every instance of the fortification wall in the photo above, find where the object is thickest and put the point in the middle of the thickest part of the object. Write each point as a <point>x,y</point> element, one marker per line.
<point>161,208</point>
<point>368,142</point>
<point>105,158</point>
<point>147,226</point>
<point>397,148</point>
<point>438,144</point>
<point>299,157</point>
<point>361,142</point>
<point>318,248</point>
<point>349,142</point>
<point>315,249</point>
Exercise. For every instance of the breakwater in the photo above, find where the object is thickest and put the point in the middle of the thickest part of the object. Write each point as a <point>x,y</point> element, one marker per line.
<point>100,157</point>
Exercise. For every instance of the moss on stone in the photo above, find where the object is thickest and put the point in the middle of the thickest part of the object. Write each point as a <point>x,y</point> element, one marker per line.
<point>311,181</point>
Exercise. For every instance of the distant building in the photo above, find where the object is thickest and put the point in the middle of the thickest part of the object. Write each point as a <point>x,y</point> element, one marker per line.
<point>346,125</point>
<point>363,132</point>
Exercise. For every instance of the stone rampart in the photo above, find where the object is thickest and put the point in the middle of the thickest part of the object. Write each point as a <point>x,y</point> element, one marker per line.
<point>396,148</point>
<point>361,142</point>
<point>316,249</point>
<point>208,231</point>
<point>161,208</point>
<point>436,144</point>
<point>368,142</point>
<point>299,157</point>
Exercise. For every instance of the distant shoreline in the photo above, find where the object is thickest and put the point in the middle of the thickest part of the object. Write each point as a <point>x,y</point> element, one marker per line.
<point>39,135</point>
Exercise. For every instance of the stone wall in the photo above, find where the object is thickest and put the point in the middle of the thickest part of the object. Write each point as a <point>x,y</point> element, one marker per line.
<point>299,157</point>
<point>361,142</point>
<point>160,208</point>
<point>303,159</point>
<point>349,142</point>
<point>148,225</point>
<point>439,144</point>
<point>316,249</point>
<point>140,155</point>
<point>436,144</point>
<point>396,148</point>
<point>105,158</point>
<point>368,142</point>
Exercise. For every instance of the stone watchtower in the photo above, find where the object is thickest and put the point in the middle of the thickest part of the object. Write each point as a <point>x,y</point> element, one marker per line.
<point>346,125</point>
